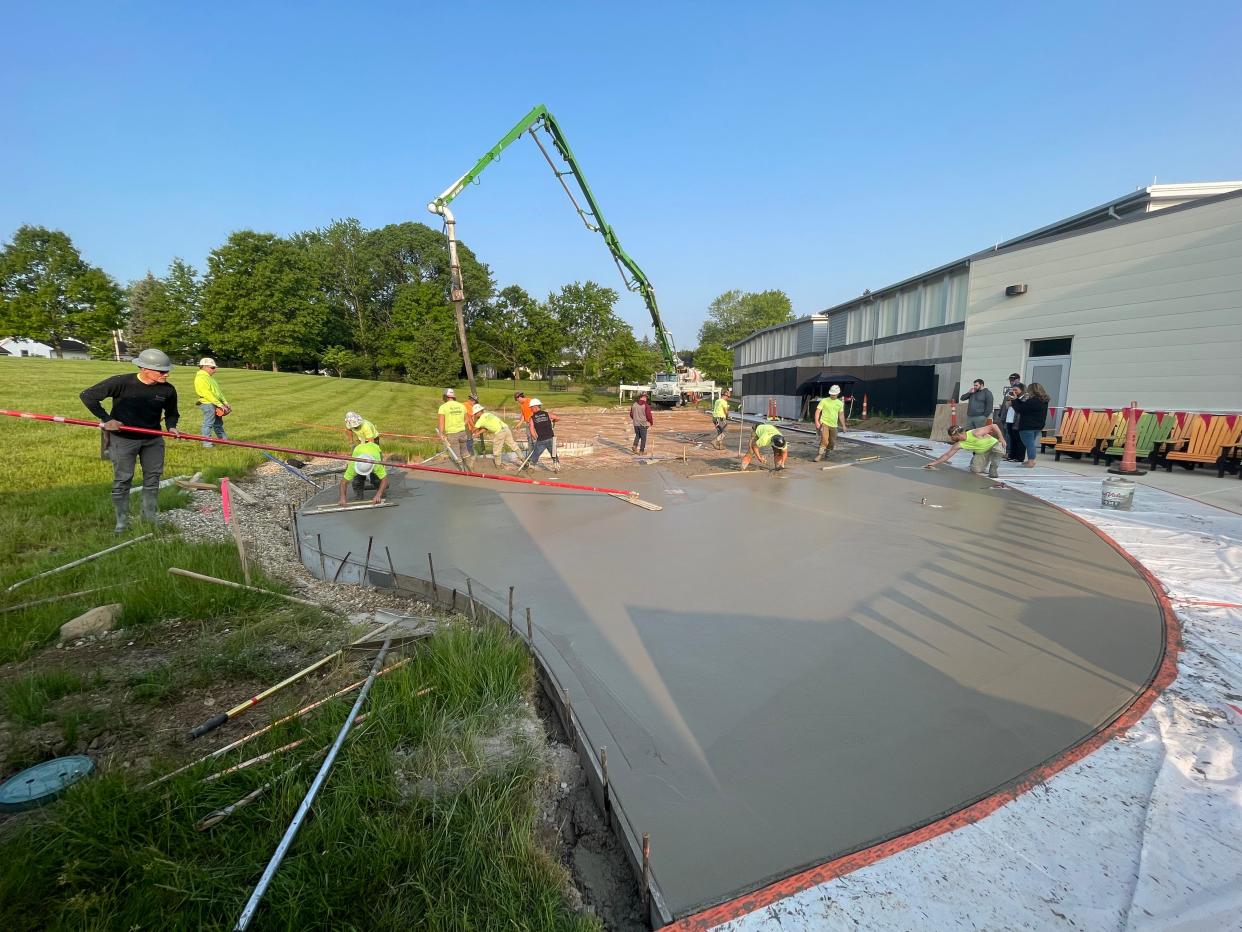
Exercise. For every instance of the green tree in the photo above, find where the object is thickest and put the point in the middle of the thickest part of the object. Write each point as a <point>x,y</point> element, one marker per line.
<point>48,293</point>
<point>344,362</point>
<point>261,302</point>
<point>348,271</point>
<point>421,338</point>
<point>734,315</point>
<point>164,312</point>
<point>715,362</point>
<point>625,359</point>
<point>515,331</point>
<point>585,314</point>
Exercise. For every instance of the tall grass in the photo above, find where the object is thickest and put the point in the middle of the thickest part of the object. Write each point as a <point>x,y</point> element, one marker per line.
<point>372,856</point>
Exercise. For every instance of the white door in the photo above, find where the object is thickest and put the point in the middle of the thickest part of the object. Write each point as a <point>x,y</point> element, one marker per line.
<point>1052,372</point>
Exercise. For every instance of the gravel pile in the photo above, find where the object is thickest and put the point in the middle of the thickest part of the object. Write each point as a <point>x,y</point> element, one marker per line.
<point>268,537</point>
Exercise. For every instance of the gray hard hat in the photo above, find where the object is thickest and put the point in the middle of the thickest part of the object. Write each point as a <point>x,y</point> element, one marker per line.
<point>153,359</point>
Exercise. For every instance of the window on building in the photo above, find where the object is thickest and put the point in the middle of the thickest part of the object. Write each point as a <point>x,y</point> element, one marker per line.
<point>908,312</point>
<point>933,304</point>
<point>1056,347</point>
<point>956,303</point>
<point>838,329</point>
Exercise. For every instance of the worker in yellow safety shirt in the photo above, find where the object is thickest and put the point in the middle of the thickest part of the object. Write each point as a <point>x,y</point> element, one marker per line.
<point>485,422</point>
<point>451,428</point>
<point>987,444</point>
<point>211,400</point>
<point>359,429</point>
<point>829,418</point>
<point>369,472</point>
<point>767,435</point>
<point>720,417</point>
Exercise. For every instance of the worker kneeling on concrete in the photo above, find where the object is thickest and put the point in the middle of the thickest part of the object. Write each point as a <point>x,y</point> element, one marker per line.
<point>767,435</point>
<point>366,471</point>
<point>485,422</point>
<point>986,443</point>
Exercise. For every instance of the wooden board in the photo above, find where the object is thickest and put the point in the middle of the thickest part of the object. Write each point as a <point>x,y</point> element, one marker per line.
<point>331,509</point>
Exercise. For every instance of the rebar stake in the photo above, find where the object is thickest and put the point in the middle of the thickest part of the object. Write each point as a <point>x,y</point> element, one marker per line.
<point>474,610</point>
<point>391,569</point>
<point>366,563</point>
<point>340,566</point>
<point>603,763</point>
<point>323,570</point>
<point>510,609</point>
<point>432,567</point>
<point>646,873</point>
<point>530,631</point>
<point>569,718</point>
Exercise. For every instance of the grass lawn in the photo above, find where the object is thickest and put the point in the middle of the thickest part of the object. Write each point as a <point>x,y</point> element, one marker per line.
<point>399,837</point>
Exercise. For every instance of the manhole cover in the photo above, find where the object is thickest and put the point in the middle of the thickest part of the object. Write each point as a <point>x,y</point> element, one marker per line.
<point>42,783</point>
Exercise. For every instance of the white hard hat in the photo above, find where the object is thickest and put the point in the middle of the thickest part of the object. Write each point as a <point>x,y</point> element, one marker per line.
<point>364,468</point>
<point>536,403</point>
<point>353,419</point>
<point>449,393</point>
<point>207,361</point>
<point>478,409</point>
<point>834,391</point>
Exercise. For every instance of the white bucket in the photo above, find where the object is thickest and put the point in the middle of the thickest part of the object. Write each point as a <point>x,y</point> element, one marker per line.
<point>1117,493</point>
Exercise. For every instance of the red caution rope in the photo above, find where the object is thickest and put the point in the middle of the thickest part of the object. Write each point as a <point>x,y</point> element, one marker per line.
<point>80,422</point>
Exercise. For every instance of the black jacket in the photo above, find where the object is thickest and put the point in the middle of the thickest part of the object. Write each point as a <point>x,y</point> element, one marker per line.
<point>1032,413</point>
<point>134,403</point>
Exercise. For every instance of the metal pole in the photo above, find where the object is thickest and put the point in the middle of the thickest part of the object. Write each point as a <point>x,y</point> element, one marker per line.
<point>432,567</point>
<point>474,610</point>
<point>392,572</point>
<point>340,566</point>
<point>243,921</point>
<point>510,609</point>
<point>323,570</point>
<point>22,582</point>
<point>458,293</point>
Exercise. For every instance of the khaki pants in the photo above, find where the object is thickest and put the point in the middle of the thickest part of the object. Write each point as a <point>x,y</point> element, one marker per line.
<point>457,443</point>
<point>986,462</point>
<point>502,441</point>
<point>827,437</point>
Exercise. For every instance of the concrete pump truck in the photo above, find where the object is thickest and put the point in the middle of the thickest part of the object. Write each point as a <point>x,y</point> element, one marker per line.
<point>668,388</point>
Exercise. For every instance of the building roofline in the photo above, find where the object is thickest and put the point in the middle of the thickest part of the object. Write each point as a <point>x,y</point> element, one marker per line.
<point>818,315</point>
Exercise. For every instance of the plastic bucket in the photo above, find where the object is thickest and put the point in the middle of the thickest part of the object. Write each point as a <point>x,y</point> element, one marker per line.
<point>1117,493</point>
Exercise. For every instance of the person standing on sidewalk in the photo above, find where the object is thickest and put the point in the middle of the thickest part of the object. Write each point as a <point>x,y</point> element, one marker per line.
<point>451,427</point>
<point>542,424</point>
<point>720,417</point>
<point>978,404</point>
<point>982,442</point>
<point>211,400</point>
<point>138,400</point>
<point>642,418</point>
<point>1032,409</point>
<point>829,418</point>
<point>1007,418</point>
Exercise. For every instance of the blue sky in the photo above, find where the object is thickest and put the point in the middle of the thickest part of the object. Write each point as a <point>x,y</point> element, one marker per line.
<point>819,148</point>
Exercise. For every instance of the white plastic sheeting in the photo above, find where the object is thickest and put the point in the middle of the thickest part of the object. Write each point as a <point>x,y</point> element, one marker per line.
<point>1143,834</point>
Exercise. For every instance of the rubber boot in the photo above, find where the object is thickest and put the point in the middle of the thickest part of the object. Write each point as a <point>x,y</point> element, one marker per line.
<point>150,505</point>
<point>122,515</point>
<point>992,473</point>
<point>820,455</point>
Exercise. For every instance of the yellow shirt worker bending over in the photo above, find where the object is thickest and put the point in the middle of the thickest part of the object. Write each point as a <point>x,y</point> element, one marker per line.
<point>986,443</point>
<point>359,475</point>
<point>767,435</point>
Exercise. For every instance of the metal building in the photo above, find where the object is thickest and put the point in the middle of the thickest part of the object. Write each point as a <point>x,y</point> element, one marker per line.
<point>916,332</point>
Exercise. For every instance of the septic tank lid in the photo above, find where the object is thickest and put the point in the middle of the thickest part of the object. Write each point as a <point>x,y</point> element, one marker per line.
<point>42,783</point>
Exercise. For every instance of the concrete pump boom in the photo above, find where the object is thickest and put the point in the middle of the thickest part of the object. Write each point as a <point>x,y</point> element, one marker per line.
<point>591,215</point>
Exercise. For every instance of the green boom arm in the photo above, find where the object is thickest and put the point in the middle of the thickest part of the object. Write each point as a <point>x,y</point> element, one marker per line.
<point>591,215</point>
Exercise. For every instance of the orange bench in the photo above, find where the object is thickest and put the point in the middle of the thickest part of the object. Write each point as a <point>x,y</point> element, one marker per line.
<point>1069,427</point>
<point>1211,439</point>
<point>1093,429</point>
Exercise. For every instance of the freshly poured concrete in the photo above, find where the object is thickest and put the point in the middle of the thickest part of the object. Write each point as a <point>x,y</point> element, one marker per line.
<point>788,668</point>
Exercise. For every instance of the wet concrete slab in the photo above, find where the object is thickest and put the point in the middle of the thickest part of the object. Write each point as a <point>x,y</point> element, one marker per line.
<point>787,668</point>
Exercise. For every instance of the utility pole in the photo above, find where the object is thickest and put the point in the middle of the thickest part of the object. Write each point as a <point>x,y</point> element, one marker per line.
<point>458,294</point>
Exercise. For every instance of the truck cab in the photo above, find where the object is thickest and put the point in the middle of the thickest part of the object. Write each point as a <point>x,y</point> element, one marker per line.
<point>666,389</point>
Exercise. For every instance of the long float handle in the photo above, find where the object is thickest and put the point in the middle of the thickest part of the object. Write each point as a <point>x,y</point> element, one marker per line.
<point>81,422</point>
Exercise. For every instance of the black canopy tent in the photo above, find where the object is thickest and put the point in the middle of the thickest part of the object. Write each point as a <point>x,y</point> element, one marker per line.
<point>817,386</point>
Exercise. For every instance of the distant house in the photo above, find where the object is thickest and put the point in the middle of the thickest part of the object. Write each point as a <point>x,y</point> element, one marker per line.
<point>20,346</point>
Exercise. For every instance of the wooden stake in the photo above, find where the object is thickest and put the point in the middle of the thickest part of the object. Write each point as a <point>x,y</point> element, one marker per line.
<point>176,571</point>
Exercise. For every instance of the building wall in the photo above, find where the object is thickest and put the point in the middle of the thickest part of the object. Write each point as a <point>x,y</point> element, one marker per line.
<point>1154,308</point>
<point>940,348</point>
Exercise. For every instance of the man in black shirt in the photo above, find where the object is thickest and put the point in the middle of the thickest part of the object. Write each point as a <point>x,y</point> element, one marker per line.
<point>541,422</point>
<point>138,400</point>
